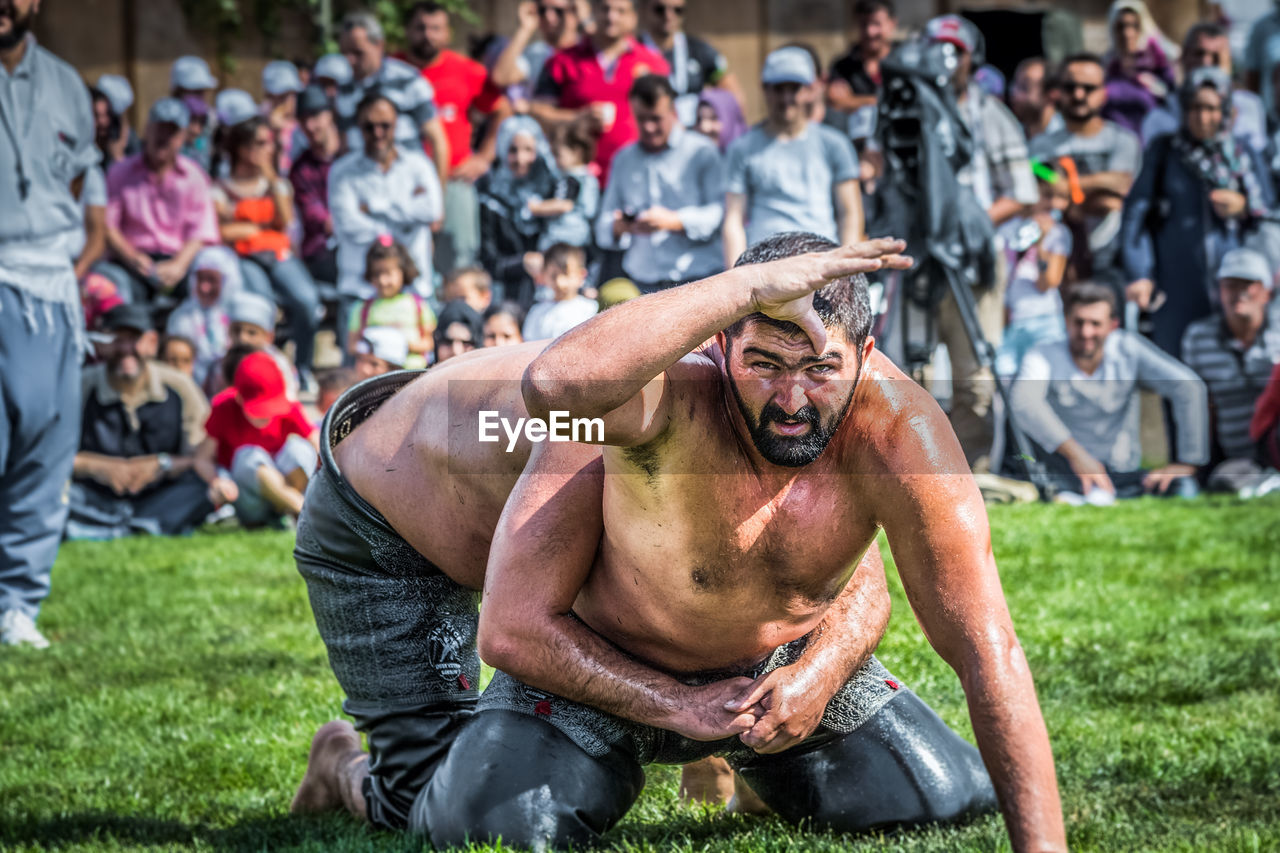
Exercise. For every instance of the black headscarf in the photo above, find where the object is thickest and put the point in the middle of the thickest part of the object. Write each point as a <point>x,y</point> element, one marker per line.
<point>458,311</point>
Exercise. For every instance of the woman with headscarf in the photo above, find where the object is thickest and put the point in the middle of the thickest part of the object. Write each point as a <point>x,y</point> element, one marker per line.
<point>523,171</point>
<point>460,329</point>
<point>1140,73</point>
<point>1200,193</point>
<point>720,117</point>
<point>202,317</point>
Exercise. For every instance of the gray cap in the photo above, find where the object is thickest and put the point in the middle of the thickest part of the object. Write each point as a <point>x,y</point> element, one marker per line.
<point>333,66</point>
<point>953,29</point>
<point>118,91</point>
<point>1215,78</point>
<point>313,100</point>
<point>234,106</point>
<point>788,65</point>
<point>1246,264</point>
<point>170,111</point>
<point>191,72</point>
<point>253,309</point>
<point>280,77</point>
<point>386,343</point>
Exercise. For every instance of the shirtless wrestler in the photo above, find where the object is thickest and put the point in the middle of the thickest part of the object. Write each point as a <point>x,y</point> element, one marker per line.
<point>743,480</point>
<point>393,541</point>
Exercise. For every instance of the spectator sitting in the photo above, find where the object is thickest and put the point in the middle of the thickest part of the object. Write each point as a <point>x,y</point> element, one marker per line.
<point>509,232</point>
<point>389,268</point>
<point>310,179</point>
<point>460,330</point>
<point>263,437</point>
<point>576,201</point>
<point>1235,354</point>
<point>179,353</point>
<point>1261,58</point>
<point>204,316</point>
<point>545,26</point>
<point>255,207</point>
<point>253,325</point>
<point>1264,426</point>
<point>1139,72</point>
<point>1199,190</point>
<point>720,118</point>
<point>665,204</point>
<point>695,65</point>
<point>113,133</point>
<point>380,189</point>
<point>564,269</point>
<point>787,173</point>
<point>330,73</point>
<point>159,211</point>
<point>502,325</point>
<point>1031,98</point>
<point>1036,248</point>
<point>98,295</point>
<point>380,350</point>
<point>333,383</point>
<point>575,81</point>
<point>470,284</point>
<point>141,421</point>
<point>1106,157</point>
<point>281,85</point>
<point>1077,399</point>
<point>197,143</point>
<point>191,82</point>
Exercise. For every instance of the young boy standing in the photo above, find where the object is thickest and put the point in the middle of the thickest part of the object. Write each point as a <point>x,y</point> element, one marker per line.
<point>564,269</point>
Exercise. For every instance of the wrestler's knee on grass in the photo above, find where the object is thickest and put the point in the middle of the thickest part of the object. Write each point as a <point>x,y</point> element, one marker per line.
<point>518,778</point>
<point>902,767</point>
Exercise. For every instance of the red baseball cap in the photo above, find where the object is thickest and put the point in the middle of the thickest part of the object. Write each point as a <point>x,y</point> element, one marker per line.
<point>260,385</point>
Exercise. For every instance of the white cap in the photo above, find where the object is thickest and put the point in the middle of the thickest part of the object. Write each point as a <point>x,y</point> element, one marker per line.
<point>191,72</point>
<point>386,343</point>
<point>225,262</point>
<point>788,65</point>
<point>234,106</point>
<point>251,308</point>
<point>280,77</point>
<point>118,91</point>
<point>333,66</point>
<point>1247,265</point>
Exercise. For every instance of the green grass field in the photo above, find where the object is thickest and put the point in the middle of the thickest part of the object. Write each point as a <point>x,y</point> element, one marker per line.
<point>176,706</point>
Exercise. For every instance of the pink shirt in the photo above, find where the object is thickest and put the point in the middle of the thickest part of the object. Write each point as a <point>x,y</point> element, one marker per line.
<point>159,215</point>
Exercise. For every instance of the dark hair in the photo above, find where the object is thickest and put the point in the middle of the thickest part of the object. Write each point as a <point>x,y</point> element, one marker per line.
<point>336,379</point>
<point>580,135</point>
<point>650,89</point>
<point>1078,58</point>
<point>182,339</point>
<point>390,251</point>
<point>560,253</point>
<point>242,134</point>
<point>842,304</point>
<point>867,8</point>
<point>1088,292</point>
<point>423,7</point>
<point>232,359</point>
<point>512,309</point>
<point>1209,29</point>
<point>473,270</point>
<point>375,96</point>
<point>114,127</point>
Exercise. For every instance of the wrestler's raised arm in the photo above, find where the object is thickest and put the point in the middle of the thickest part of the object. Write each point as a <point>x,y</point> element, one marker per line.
<point>938,531</point>
<point>607,361</point>
<point>542,552</point>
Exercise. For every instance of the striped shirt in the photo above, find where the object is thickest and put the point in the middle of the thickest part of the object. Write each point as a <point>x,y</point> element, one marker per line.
<point>405,87</point>
<point>1234,375</point>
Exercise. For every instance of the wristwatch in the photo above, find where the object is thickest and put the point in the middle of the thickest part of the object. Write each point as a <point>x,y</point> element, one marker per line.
<point>165,461</point>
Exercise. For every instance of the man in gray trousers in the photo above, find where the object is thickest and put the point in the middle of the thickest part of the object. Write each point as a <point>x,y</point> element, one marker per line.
<point>46,144</point>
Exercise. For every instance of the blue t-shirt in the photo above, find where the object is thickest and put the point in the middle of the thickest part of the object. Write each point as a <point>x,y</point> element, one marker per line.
<point>790,184</point>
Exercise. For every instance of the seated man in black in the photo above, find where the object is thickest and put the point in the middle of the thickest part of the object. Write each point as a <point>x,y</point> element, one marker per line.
<point>141,421</point>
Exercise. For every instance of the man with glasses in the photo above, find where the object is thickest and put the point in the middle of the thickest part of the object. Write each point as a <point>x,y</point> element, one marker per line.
<point>695,64</point>
<point>1107,158</point>
<point>545,27</point>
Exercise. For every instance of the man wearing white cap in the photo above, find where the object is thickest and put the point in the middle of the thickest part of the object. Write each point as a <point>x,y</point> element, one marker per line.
<point>330,72</point>
<point>190,75</point>
<point>787,173</point>
<point>191,81</point>
<point>1235,353</point>
<point>281,84</point>
<point>381,349</point>
<point>46,145</point>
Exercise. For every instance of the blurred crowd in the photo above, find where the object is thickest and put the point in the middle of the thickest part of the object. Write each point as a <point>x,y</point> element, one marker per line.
<point>419,202</point>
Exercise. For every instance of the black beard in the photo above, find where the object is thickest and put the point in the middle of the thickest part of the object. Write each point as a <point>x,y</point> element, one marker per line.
<point>424,53</point>
<point>790,451</point>
<point>20,26</point>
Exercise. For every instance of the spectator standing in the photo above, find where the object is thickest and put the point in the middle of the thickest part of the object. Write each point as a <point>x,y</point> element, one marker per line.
<point>310,179</point>
<point>460,330</point>
<point>564,270</point>
<point>462,89</point>
<point>720,118</point>
<point>1107,157</point>
<point>191,82</point>
<point>472,285</point>
<point>418,122</point>
<point>787,173</point>
<point>46,144</point>
<point>1235,354</point>
<point>1261,56</point>
<point>595,77</point>
<point>1031,98</point>
<point>113,132</point>
<point>380,188</point>
<point>572,210</point>
<point>255,208</point>
<point>159,211</point>
<point>1139,70</point>
<point>204,317</point>
<point>665,203</point>
<point>509,231</point>
<point>853,85</point>
<point>1199,194</point>
<point>389,268</point>
<point>141,422</point>
<point>695,64</point>
<point>1077,399</point>
<point>544,27</point>
<point>281,85</point>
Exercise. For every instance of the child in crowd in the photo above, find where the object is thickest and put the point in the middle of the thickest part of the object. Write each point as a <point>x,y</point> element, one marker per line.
<point>470,284</point>
<point>333,382</point>
<point>1036,247</point>
<point>576,202</point>
<point>564,269</point>
<point>253,324</point>
<point>502,324</point>
<point>264,439</point>
<point>389,269</point>
<point>204,316</point>
<point>381,349</point>
<point>179,353</point>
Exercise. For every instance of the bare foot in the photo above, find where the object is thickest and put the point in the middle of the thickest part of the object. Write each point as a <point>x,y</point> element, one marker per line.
<point>709,780</point>
<point>745,800</point>
<point>334,749</point>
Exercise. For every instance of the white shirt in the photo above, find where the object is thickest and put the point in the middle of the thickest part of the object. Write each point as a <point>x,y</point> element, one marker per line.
<point>402,202</point>
<point>552,319</point>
